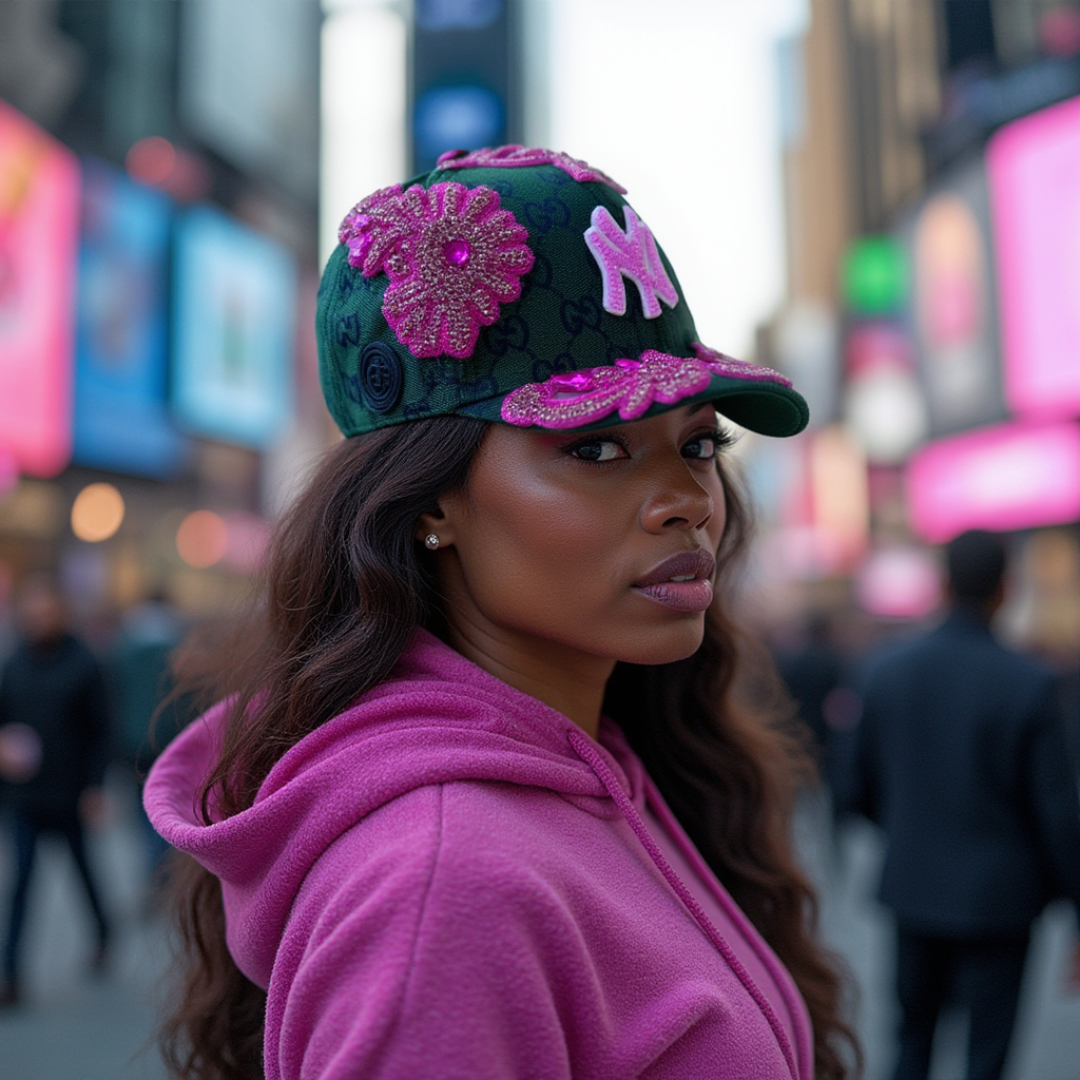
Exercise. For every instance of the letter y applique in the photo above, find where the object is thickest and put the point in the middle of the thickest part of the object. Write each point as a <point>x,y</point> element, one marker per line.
<point>629,254</point>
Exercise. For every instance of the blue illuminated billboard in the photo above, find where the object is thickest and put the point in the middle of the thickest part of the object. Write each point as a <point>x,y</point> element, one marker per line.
<point>121,414</point>
<point>234,331</point>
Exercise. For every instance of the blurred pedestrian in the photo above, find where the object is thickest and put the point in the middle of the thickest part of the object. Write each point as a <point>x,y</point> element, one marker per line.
<point>54,747</point>
<point>148,714</point>
<point>811,668</point>
<point>960,755</point>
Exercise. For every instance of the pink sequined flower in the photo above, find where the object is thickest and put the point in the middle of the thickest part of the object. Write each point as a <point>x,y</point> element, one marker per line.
<point>374,228</point>
<point>629,386</point>
<point>516,156</point>
<point>452,256</point>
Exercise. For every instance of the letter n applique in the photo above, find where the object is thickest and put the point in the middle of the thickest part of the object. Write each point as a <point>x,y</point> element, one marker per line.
<point>629,254</point>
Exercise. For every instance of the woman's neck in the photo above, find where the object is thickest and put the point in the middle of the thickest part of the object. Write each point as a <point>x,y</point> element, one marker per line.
<point>568,681</point>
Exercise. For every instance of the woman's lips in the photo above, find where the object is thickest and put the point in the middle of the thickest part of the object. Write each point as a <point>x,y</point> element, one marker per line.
<point>681,595</point>
<point>682,582</point>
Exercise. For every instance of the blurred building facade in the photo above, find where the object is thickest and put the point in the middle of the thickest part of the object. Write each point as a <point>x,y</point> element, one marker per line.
<point>933,233</point>
<point>159,217</point>
<point>158,258</point>
<point>172,151</point>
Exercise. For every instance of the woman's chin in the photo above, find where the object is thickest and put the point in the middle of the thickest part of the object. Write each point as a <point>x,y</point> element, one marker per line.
<point>669,646</point>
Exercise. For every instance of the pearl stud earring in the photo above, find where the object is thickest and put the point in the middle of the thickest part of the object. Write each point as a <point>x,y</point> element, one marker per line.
<point>431,541</point>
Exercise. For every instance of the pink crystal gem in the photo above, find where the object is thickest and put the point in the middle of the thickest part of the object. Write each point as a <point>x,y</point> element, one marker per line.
<point>457,252</point>
<point>576,381</point>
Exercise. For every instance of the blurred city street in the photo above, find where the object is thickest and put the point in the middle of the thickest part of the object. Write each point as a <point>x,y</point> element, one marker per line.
<point>1047,1041</point>
<point>875,202</point>
<point>76,1027</point>
<point>73,1025</point>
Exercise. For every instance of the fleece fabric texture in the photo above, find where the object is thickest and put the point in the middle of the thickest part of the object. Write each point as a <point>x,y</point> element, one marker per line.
<point>449,880</point>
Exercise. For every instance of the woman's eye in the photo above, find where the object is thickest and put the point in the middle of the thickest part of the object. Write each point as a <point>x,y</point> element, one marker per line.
<point>703,448</point>
<point>599,450</point>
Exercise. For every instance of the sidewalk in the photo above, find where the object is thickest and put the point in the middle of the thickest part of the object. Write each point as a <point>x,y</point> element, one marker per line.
<point>1046,1045</point>
<point>72,1025</point>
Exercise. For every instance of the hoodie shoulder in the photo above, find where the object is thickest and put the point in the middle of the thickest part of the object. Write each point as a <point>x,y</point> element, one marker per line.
<point>386,956</point>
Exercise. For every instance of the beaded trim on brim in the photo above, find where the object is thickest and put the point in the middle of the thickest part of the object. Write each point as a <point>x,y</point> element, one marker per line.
<point>757,398</point>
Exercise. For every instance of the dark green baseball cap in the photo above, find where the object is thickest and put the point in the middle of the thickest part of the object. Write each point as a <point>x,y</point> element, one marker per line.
<point>518,285</point>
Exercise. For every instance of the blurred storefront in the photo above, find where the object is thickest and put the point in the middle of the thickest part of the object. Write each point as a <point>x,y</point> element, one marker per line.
<point>934,260</point>
<point>158,237</point>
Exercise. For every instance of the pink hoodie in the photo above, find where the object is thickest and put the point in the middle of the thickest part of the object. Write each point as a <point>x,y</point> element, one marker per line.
<point>450,881</point>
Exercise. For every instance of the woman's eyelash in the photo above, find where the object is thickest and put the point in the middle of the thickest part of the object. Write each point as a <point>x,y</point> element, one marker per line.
<point>595,440</point>
<point>720,437</point>
<point>723,437</point>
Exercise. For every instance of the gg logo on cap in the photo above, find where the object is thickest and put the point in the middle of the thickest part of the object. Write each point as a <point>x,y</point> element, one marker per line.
<point>380,376</point>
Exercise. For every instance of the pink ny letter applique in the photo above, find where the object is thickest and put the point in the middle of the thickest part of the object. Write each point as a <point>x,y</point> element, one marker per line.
<point>629,254</point>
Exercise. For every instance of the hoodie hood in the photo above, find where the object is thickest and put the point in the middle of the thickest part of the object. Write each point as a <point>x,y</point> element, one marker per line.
<point>438,718</point>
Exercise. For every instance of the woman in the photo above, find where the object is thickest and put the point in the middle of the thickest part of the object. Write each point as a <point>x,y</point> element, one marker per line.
<point>480,801</point>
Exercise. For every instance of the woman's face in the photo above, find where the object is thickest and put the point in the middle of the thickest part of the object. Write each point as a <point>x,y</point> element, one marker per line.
<point>599,544</point>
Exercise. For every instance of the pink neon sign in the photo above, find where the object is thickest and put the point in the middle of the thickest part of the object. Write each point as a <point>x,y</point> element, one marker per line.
<point>1034,171</point>
<point>1010,476</point>
<point>39,183</point>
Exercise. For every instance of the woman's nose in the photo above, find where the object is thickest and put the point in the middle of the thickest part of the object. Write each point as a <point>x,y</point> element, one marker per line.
<point>679,501</point>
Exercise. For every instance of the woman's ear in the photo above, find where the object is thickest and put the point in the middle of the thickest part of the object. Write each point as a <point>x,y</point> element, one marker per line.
<point>439,523</point>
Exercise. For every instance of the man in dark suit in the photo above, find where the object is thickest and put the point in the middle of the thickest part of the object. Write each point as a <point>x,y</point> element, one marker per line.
<point>960,756</point>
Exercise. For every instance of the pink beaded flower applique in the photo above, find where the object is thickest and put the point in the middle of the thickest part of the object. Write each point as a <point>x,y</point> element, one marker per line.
<point>516,156</point>
<point>452,256</point>
<point>629,386</point>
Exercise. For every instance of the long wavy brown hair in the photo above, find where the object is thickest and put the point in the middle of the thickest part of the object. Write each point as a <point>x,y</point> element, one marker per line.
<point>346,584</point>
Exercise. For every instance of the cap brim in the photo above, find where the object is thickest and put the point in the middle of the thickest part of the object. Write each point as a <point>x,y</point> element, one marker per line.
<point>762,406</point>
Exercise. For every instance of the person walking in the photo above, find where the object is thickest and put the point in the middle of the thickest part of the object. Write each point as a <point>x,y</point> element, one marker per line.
<point>811,669</point>
<point>54,747</point>
<point>147,714</point>
<point>960,755</point>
